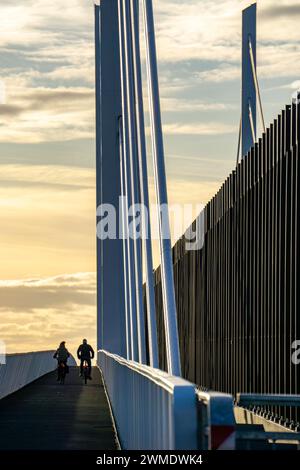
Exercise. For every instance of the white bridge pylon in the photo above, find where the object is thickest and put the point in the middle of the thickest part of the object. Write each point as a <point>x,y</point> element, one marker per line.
<point>122,171</point>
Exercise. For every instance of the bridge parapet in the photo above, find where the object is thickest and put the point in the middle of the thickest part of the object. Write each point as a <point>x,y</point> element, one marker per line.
<point>23,368</point>
<point>152,410</point>
<point>155,410</point>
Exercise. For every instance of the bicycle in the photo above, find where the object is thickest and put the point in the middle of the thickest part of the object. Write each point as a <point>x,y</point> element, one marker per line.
<point>61,372</point>
<point>86,373</point>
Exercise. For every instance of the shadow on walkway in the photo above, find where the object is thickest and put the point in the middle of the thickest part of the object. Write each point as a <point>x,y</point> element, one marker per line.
<point>47,415</point>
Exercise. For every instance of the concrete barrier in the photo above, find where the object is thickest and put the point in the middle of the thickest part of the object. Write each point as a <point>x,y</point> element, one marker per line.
<point>22,369</point>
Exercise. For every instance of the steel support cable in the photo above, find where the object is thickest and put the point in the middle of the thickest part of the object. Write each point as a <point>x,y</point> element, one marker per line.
<point>134,178</point>
<point>100,320</point>
<point>124,217</point>
<point>157,191</point>
<point>142,154</point>
<point>239,143</point>
<point>150,100</point>
<point>129,253</point>
<point>162,267</point>
<point>170,312</point>
<point>253,66</point>
<point>252,123</point>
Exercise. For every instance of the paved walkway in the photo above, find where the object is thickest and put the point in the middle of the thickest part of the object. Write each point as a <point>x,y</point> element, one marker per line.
<point>47,415</point>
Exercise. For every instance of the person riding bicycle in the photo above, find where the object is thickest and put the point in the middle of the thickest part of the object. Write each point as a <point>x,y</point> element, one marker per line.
<point>85,353</point>
<point>62,355</point>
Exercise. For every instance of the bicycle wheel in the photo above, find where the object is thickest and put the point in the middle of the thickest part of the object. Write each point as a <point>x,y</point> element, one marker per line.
<point>61,375</point>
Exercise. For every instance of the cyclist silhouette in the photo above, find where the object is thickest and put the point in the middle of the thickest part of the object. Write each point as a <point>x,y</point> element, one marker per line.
<point>62,355</point>
<point>86,353</point>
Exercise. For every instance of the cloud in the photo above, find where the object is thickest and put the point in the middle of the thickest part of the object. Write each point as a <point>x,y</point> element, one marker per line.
<point>47,66</point>
<point>9,110</point>
<point>46,114</point>
<point>58,176</point>
<point>209,128</point>
<point>220,74</point>
<point>48,59</point>
<point>49,99</point>
<point>192,105</point>
<point>279,11</point>
<point>36,314</point>
<point>206,32</point>
<point>48,212</point>
<point>64,291</point>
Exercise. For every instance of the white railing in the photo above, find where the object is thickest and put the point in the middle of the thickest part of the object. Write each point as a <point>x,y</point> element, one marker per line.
<point>21,369</point>
<point>151,409</point>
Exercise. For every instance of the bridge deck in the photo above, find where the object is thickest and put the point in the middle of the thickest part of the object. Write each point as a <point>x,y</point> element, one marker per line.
<point>47,415</point>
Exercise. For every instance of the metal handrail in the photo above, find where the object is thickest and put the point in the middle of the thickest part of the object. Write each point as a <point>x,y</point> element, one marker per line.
<point>30,352</point>
<point>249,399</point>
<point>161,378</point>
<point>269,436</point>
<point>211,424</point>
<point>154,410</point>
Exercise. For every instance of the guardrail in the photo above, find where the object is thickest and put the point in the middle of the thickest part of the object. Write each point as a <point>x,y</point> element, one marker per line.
<point>255,399</point>
<point>152,410</point>
<point>272,437</point>
<point>22,369</point>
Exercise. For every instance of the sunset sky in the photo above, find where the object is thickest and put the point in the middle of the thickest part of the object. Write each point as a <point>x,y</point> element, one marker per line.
<point>47,149</point>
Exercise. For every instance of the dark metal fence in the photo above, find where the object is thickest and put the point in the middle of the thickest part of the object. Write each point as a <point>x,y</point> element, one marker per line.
<point>238,297</point>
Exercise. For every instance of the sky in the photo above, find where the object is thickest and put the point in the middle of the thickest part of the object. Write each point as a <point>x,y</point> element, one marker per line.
<point>47,148</point>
